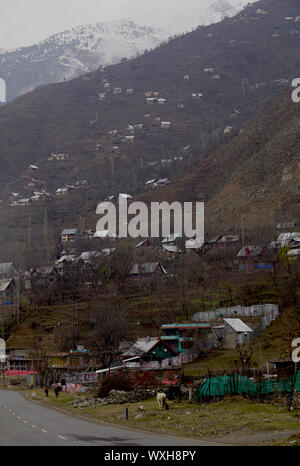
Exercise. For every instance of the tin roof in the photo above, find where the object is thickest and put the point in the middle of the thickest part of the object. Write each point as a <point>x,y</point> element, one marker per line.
<point>69,231</point>
<point>248,251</point>
<point>238,325</point>
<point>4,284</point>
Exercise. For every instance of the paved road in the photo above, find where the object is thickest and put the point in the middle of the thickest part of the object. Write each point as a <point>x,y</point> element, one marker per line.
<point>23,422</point>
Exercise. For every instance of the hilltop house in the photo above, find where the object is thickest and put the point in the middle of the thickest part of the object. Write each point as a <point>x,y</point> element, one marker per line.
<point>129,139</point>
<point>58,157</point>
<point>228,129</point>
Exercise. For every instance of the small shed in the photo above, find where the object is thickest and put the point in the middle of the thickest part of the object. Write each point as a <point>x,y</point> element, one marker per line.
<point>236,332</point>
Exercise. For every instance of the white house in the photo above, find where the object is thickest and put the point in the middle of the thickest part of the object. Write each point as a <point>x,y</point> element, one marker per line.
<point>236,332</point>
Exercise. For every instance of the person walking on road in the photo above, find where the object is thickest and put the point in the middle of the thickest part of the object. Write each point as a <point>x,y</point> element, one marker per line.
<point>56,390</point>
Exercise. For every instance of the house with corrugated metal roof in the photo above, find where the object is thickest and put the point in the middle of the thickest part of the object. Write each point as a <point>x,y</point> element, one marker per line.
<point>69,234</point>
<point>8,270</point>
<point>236,332</point>
<point>148,270</point>
<point>7,291</point>
<point>149,349</point>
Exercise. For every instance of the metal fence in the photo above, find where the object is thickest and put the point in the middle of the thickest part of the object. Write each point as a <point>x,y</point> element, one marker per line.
<point>267,312</point>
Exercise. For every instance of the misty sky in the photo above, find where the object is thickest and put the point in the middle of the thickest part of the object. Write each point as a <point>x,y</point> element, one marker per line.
<point>23,22</point>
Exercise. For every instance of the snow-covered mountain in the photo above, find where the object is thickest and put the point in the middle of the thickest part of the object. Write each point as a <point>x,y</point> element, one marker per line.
<point>69,54</point>
<point>216,12</point>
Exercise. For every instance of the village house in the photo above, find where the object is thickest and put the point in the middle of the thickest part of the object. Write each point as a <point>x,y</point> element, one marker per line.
<point>69,234</point>
<point>31,182</point>
<point>61,191</point>
<point>117,90</point>
<point>166,124</point>
<point>151,100</point>
<point>161,182</point>
<point>130,129</point>
<point>106,85</point>
<point>102,234</point>
<point>186,77</point>
<point>170,250</point>
<point>228,129</point>
<point>286,226</point>
<point>288,239</point>
<point>254,259</point>
<point>7,291</point>
<point>129,139</point>
<point>129,91</point>
<point>161,101</point>
<point>145,350</point>
<point>20,361</point>
<point>147,270</point>
<point>58,157</point>
<point>23,202</point>
<point>9,270</point>
<point>181,337</point>
<point>236,332</point>
<point>76,360</point>
<point>41,277</point>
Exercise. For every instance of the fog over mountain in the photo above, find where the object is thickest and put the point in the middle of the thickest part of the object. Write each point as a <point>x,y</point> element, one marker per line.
<point>84,48</point>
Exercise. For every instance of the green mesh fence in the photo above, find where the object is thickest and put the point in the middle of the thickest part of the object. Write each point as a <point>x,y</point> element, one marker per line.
<point>215,387</point>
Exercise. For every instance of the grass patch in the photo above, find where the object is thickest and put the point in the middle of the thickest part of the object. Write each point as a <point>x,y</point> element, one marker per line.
<point>214,420</point>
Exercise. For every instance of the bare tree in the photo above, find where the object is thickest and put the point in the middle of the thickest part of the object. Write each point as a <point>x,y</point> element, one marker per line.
<point>110,330</point>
